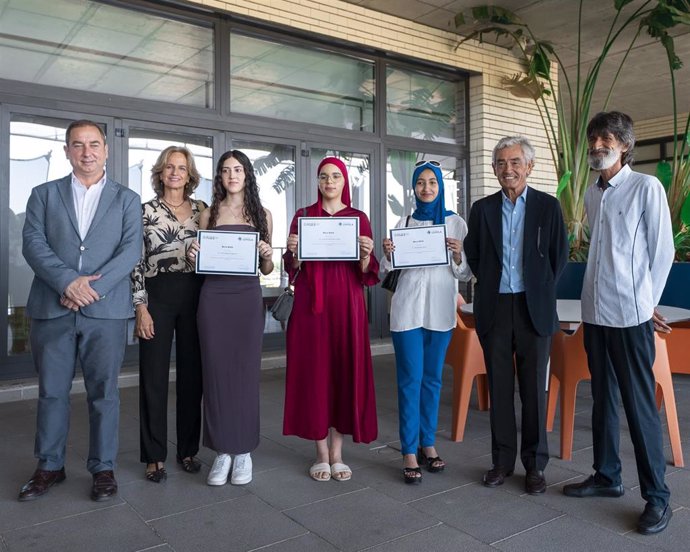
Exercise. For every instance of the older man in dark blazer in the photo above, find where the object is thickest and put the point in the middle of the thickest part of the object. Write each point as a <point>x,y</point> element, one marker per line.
<point>82,238</point>
<point>517,248</point>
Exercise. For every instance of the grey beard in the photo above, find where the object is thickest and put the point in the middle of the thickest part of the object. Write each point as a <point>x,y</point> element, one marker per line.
<point>599,163</point>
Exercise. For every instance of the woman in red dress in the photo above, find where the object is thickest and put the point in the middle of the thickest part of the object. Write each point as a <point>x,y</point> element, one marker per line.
<point>329,389</point>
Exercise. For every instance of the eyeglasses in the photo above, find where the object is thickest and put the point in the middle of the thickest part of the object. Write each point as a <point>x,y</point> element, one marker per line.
<point>428,162</point>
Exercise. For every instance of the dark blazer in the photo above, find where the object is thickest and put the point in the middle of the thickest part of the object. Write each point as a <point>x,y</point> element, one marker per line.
<point>52,248</point>
<point>545,254</point>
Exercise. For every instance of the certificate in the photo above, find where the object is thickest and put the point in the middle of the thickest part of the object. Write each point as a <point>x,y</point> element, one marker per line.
<point>419,246</point>
<point>227,252</point>
<point>328,239</point>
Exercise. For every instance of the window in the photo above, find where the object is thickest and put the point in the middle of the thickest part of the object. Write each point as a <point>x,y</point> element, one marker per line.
<point>400,200</point>
<point>424,107</point>
<point>100,48</point>
<point>300,84</point>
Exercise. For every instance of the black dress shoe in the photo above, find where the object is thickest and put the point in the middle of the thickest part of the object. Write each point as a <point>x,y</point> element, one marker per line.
<point>496,476</point>
<point>654,519</point>
<point>104,486</point>
<point>590,487</point>
<point>535,483</point>
<point>39,484</point>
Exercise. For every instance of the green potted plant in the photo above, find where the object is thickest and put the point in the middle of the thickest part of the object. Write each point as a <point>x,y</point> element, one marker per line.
<point>674,174</point>
<point>565,104</point>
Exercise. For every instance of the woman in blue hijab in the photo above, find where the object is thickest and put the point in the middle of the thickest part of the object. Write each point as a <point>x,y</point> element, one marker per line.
<point>422,319</point>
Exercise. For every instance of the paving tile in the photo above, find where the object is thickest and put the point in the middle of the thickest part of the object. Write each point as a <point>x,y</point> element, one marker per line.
<point>244,523</point>
<point>567,534</point>
<point>70,497</point>
<point>304,543</point>
<point>113,529</point>
<point>614,514</point>
<point>476,509</point>
<point>440,538</point>
<point>676,536</point>
<point>360,519</point>
<point>181,492</point>
<point>290,487</point>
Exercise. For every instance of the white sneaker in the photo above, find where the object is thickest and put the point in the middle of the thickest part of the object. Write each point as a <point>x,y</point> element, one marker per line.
<point>220,470</point>
<point>242,473</point>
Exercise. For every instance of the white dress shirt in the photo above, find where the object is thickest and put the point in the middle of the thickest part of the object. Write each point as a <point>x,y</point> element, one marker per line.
<point>85,204</point>
<point>631,250</point>
<point>427,297</point>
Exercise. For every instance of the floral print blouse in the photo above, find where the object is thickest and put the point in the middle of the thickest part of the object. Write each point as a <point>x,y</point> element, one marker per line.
<point>166,241</point>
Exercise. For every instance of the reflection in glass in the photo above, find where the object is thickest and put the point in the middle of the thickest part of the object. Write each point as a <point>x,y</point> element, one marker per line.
<point>99,48</point>
<point>400,193</point>
<point>274,166</point>
<point>286,82</point>
<point>424,107</point>
<point>357,169</point>
<point>144,148</point>
<point>36,156</point>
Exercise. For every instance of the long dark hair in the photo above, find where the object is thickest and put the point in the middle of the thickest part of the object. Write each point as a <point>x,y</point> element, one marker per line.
<point>252,210</point>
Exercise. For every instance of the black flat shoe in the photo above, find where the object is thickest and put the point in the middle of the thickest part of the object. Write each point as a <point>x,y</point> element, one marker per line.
<point>190,464</point>
<point>654,519</point>
<point>157,476</point>
<point>412,476</point>
<point>433,465</point>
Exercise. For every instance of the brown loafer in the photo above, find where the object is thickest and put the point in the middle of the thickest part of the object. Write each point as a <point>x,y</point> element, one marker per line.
<point>104,486</point>
<point>39,484</point>
<point>535,482</point>
<point>496,476</point>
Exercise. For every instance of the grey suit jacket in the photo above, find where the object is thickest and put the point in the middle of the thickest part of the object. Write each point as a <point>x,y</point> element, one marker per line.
<point>52,247</point>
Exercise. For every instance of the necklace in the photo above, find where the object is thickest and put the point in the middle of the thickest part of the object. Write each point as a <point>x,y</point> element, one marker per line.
<point>174,207</point>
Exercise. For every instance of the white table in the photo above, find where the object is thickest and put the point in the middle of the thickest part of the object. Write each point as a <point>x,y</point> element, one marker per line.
<point>570,313</point>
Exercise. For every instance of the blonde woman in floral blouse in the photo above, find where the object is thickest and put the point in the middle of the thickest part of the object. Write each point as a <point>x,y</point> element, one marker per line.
<point>166,294</point>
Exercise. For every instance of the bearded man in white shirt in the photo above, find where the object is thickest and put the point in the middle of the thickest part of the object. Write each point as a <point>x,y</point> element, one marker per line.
<point>630,256</point>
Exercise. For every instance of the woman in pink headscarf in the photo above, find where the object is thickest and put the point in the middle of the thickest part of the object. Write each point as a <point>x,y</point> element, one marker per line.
<point>329,389</point>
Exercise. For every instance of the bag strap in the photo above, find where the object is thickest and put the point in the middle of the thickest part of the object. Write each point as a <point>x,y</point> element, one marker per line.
<point>292,282</point>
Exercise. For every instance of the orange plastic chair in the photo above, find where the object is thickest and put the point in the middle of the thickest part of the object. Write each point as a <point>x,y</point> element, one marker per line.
<point>677,345</point>
<point>569,367</point>
<point>467,359</point>
<point>665,395</point>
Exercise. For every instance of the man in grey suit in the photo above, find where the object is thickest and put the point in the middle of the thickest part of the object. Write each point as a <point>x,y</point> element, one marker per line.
<point>82,238</point>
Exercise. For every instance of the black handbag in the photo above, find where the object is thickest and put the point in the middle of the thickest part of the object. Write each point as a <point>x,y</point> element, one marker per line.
<point>390,282</point>
<point>282,308</point>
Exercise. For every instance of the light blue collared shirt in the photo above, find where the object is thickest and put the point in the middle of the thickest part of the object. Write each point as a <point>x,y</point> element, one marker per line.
<point>513,224</point>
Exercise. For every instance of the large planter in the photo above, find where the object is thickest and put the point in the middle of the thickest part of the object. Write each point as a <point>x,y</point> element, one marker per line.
<point>570,284</point>
<point>677,290</point>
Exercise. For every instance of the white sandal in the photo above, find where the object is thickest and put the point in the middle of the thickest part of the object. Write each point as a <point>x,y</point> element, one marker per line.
<point>341,472</point>
<point>320,468</point>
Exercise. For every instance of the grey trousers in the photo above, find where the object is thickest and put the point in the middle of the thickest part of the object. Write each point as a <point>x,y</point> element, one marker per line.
<point>56,345</point>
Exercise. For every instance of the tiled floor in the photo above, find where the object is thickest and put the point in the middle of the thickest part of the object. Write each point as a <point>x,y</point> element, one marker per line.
<point>283,510</point>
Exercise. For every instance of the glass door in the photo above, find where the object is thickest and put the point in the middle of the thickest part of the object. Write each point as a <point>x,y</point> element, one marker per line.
<point>275,170</point>
<point>36,155</point>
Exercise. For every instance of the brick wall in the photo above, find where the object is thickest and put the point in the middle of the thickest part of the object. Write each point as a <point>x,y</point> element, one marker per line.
<point>494,113</point>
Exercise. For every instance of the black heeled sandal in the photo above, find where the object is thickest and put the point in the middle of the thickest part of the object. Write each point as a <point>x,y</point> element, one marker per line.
<point>190,464</point>
<point>412,476</point>
<point>156,476</point>
<point>433,465</point>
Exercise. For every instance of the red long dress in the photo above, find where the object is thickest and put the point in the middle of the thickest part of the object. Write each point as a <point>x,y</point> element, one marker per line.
<point>329,379</point>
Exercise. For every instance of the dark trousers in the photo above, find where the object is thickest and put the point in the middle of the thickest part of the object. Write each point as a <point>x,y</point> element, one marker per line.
<point>173,300</point>
<point>511,346</point>
<point>622,359</point>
